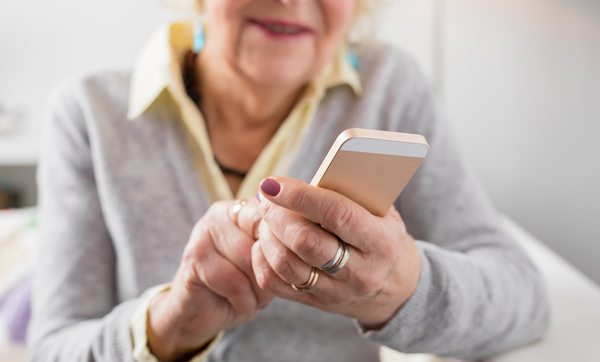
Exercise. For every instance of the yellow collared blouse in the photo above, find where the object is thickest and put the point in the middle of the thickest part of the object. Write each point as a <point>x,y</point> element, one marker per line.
<point>159,68</point>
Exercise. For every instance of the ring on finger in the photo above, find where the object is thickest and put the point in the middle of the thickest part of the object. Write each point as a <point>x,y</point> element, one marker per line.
<point>339,259</point>
<point>312,280</point>
<point>338,254</point>
<point>237,207</point>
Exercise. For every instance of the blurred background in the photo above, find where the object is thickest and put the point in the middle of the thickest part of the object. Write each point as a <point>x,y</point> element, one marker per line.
<point>519,80</point>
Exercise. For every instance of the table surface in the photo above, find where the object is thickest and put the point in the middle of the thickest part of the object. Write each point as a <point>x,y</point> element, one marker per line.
<point>575,301</point>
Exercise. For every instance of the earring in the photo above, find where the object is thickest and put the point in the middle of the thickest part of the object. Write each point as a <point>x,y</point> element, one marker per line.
<point>353,57</point>
<point>199,38</point>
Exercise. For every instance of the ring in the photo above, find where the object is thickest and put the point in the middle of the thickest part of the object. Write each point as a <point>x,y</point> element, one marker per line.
<point>237,208</point>
<point>339,260</point>
<point>338,254</point>
<point>312,280</point>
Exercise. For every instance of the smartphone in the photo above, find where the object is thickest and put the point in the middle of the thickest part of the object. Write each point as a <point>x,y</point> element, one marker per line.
<point>371,167</point>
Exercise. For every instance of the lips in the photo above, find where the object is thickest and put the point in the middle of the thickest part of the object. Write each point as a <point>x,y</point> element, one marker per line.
<point>281,29</point>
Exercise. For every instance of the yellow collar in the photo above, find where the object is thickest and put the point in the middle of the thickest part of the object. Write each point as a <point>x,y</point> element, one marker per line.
<point>154,70</point>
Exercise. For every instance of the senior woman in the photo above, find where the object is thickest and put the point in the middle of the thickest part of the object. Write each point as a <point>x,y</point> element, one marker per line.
<point>145,256</point>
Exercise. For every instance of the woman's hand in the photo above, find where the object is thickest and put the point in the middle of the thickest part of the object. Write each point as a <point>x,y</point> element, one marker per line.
<point>214,288</point>
<point>297,233</point>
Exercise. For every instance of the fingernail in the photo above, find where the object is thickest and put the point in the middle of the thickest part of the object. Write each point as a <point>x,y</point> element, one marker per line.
<point>259,195</point>
<point>270,187</point>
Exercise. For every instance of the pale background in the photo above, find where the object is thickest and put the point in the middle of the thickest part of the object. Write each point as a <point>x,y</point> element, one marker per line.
<point>519,81</point>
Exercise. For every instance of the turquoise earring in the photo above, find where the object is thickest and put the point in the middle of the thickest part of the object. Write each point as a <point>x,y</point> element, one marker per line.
<point>199,38</point>
<point>353,57</point>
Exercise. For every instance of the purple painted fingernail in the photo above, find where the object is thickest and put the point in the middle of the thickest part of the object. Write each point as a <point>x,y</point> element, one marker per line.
<point>270,187</point>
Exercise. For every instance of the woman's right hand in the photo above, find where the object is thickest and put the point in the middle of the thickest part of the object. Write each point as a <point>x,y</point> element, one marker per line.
<point>214,288</point>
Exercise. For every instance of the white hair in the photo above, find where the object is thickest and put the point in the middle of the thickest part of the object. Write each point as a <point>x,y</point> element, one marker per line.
<point>365,17</point>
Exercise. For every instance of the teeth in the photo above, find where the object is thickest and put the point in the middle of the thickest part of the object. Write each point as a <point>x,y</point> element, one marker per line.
<point>288,30</point>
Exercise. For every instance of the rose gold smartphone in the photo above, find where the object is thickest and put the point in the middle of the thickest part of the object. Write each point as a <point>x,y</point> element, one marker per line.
<point>371,167</point>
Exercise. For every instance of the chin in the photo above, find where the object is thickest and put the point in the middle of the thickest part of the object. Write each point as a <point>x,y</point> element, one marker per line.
<point>279,73</point>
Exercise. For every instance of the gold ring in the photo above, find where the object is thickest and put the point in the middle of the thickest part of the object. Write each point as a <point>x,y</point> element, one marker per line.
<point>312,280</point>
<point>237,208</point>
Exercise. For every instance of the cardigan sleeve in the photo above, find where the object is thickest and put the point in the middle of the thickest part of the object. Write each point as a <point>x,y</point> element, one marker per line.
<point>76,314</point>
<point>478,293</point>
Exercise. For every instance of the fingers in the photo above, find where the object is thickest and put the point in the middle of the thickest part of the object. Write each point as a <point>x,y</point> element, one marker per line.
<point>235,241</point>
<point>315,246</point>
<point>271,281</point>
<point>225,279</point>
<point>286,264</point>
<point>247,217</point>
<point>216,238</point>
<point>230,241</point>
<point>236,247</point>
<point>334,212</point>
<point>327,293</point>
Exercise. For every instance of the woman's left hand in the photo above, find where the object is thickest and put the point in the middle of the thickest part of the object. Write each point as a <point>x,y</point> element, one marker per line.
<point>298,232</point>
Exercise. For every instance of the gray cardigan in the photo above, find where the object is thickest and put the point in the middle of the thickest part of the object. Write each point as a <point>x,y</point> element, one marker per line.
<point>119,198</point>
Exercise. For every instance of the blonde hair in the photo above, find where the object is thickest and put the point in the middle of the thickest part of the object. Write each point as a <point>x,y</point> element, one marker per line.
<point>362,28</point>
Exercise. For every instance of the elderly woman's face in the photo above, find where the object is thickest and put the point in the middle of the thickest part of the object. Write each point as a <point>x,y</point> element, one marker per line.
<point>277,42</point>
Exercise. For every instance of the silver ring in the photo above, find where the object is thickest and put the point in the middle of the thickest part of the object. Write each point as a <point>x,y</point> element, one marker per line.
<point>239,204</point>
<point>338,254</point>
<point>341,261</point>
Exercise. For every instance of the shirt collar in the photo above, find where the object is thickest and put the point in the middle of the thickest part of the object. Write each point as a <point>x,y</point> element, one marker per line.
<point>154,69</point>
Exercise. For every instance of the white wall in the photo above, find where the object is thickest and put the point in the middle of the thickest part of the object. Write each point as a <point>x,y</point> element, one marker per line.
<point>520,81</point>
<point>522,87</point>
<point>410,25</point>
<point>43,41</point>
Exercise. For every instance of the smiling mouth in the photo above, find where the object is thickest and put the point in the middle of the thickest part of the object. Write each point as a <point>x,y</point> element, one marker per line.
<point>282,29</point>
